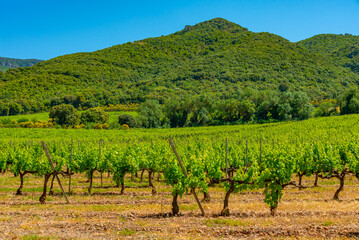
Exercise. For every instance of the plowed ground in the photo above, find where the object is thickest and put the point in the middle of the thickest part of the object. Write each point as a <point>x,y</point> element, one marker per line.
<point>137,214</point>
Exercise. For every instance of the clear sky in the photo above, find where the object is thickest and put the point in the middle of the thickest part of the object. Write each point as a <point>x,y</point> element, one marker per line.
<point>46,29</point>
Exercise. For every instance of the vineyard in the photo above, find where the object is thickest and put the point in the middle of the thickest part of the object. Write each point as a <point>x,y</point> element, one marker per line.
<point>236,167</point>
<point>265,161</point>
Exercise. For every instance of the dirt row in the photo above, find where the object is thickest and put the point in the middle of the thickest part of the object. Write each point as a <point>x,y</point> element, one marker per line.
<point>302,214</point>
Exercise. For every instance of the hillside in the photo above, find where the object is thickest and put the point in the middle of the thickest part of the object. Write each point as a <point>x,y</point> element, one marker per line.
<point>343,49</point>
<point>7,63</point>
<point>215,57</point>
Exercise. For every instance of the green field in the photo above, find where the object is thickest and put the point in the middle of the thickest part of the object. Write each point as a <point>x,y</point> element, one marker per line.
<point>44,116</point>
<point>316,129</point>
<point>250,176</point>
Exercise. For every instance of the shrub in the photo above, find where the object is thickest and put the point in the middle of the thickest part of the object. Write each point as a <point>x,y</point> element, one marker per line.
<point>79,126</point>
<point>64,114</point>
<point>94,115</point>
<point>326,108</point>
<point>26,124</point>
<point>13,124</point>
<point>5,121</point>
<point>89,125</point>
<point>20,120</point>
<point>97,126</point>
<point>127,119</point>
<point>114,125</point>
<point>89,104</point>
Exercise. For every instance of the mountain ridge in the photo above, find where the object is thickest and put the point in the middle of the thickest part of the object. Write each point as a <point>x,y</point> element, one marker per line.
<point>343,49</point>
<point>7,63</point>
<point>215,57</point>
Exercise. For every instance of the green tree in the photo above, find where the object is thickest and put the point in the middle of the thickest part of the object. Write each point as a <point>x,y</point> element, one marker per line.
<point>14,108</point>
<point>177,111</point>
<point>301,107</point>
<point>228,110</point>
<point>268,106</point>
<point>150,114</point>
<point>4,109</point>
<point>326,108</point>
<point>94,115</point>
<point>349,102</point>
<point>127,119</point>
<point>64,114</point>
<point>246,110</point>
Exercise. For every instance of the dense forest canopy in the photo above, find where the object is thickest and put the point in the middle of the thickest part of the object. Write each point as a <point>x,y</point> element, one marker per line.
<point>342,49</point>
<point>215,57</point>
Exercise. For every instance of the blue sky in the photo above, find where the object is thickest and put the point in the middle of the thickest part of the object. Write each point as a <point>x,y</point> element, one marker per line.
<point>46,29</point>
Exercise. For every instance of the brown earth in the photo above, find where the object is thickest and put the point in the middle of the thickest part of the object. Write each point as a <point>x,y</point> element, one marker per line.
<point>302,214</point>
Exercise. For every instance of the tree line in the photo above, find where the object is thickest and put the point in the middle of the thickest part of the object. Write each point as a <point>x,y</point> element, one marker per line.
<point>243,106</point>
<point>248,106</point>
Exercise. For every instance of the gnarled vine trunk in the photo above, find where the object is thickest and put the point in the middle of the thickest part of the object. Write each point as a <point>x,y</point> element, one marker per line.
<point>19,190</point>
<point>150,172</point>
<point>91,180</point>
<point>150,184</point>
<point>206,197</point>
<point>273,209</point>
<point>51,192</point>
<point>300,175</point>
<point>44,191</point>
<point>225,211</point>
<point>122,187</point>
<point>316,180</point>
<point>142,175</point>
<point>341,187</point>
<point>175,207</point>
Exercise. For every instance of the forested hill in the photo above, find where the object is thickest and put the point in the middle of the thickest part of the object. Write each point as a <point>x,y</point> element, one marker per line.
<point>343,49</point>
<point>216,57</point>
<point>6,63</point>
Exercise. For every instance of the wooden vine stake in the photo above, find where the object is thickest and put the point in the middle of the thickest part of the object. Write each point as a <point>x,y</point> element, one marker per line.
<point>185,173</point>
<point>226,158</point>
<point>260,150</point>
<point>53,169</point>
<point>72,145</point>
<point>99,145</point>
<point>246,155</point>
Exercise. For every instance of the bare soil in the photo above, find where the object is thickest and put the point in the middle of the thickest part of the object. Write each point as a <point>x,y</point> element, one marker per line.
<point>302,214</point>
